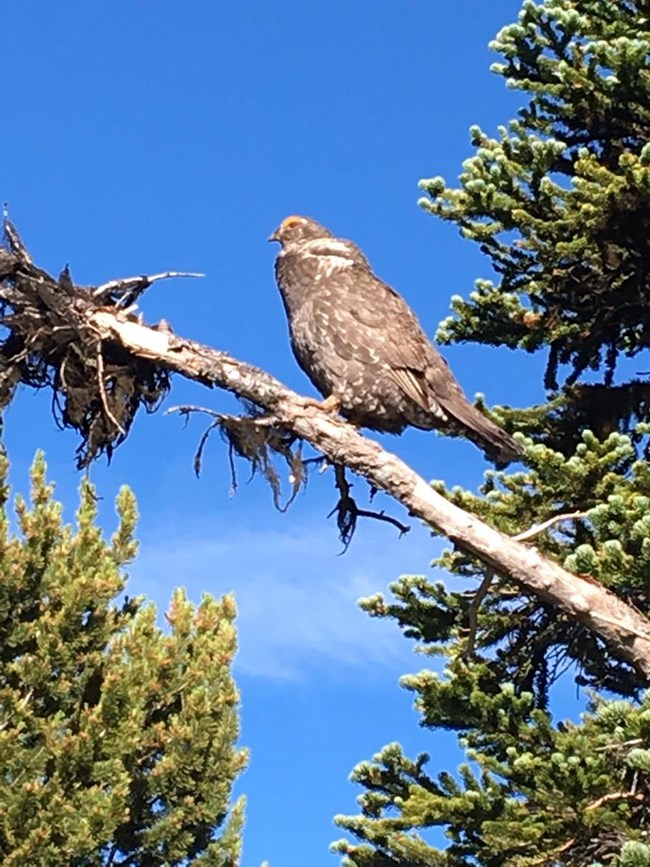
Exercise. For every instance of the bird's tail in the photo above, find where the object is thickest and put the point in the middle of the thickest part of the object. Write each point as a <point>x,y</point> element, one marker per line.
<point>498,445</point>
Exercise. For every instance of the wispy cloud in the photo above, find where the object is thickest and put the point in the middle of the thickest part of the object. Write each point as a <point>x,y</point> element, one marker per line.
<point>296,597</point>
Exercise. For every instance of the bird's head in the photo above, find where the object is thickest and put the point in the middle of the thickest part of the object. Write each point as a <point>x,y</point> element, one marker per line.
<point>294,229</point>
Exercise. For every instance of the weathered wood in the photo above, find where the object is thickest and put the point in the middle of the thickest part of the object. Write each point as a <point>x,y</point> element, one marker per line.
<point>625,630</point>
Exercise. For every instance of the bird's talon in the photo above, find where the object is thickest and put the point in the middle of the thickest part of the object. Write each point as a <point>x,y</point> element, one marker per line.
<point>331,404</point>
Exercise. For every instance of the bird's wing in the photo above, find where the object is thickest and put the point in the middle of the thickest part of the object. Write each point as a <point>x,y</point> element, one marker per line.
<point>405,346</point>
<point>413,385</point>
<point>392,330</point>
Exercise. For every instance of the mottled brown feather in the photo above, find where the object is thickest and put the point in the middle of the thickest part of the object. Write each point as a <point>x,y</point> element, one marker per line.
<point>357,339</point>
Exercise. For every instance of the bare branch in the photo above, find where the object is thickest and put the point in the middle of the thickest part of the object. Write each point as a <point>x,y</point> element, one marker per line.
<point>634,742</point>
<point>536,529</point>
<point>614,796</point>
<point>558,851</point>
<point>485,585</point>
<point>382,516</point>
<point>130,288</point>
<point>348,512</point>
<point>472,612</point>
<point>102,390</point>
<point>188,409</point>
<point>624,628</point>
<point>16,244</point>
<point>47,342</point>
<point>258,438</point>
<point>133,282</point>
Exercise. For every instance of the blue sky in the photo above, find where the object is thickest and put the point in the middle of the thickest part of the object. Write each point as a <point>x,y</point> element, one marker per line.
<point>142,136</point>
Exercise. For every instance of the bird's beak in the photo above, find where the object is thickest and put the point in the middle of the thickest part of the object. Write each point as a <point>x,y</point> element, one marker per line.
<point>273,237</point>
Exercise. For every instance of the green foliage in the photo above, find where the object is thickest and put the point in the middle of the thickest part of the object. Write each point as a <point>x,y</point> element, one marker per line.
<point>635,855</point>
<point>531,793</point>
<point>560,203</point>
<point>116,738</point>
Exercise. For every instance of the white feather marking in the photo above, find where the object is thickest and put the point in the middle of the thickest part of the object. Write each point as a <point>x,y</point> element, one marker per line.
<point>328,247</point>
<point>329,264</point>
<point>333,255</point>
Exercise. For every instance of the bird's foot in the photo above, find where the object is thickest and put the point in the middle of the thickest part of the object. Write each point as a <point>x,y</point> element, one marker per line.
<point>330,405</point>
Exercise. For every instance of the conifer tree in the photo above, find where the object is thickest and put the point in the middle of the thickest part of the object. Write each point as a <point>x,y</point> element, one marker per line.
<point>560,204</point>
<point>117,737</point>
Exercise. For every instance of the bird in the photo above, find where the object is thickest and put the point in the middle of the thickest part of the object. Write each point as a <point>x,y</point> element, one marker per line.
<point>362,346</point>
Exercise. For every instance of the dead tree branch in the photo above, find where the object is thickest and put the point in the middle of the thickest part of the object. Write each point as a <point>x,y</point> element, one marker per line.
<point>348,512</point>
<point>127,290</point>
<point>536,529</point>
<point>48,341</point>
<point>624,628</point>
<point>258,439</point>
<point>472,612</point>
<point>53,331</point>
